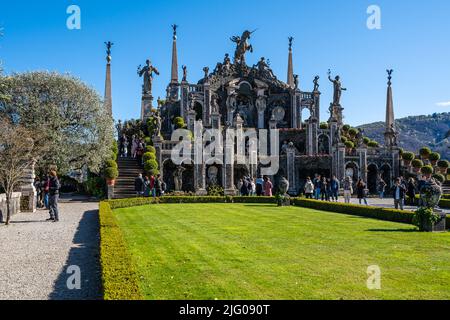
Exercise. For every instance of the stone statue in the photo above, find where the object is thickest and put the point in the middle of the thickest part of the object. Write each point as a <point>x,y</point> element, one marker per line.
<point>316,83</point>
<point>158,123</point>
<point>108,44</point>
<point>337,136</point>
<point>430,193</point>
<point>184,73</point>
<point>206,71</point>
<point>178,178</point>
<point>264,69</point>
<point>284,186</point>
<point>214,103</point>
<point>147,73</point>
<point>296,81</point>
<point>242,46</point>
<point>337,89</point>
<point>212,175</point>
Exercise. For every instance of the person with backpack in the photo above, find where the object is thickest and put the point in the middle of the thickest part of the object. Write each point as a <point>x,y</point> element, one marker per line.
<point>308,188</point>
<point>259,186</point>
<point>361,192</point>
<point>53,191</point>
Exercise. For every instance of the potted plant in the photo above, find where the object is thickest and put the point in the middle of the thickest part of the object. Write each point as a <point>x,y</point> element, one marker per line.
<point>111,174</point>
<point>425,218</point>
<point>434,158</point>
<point>417,165</point>
<point>373,144</point>
<point>427,171</point>
<point>443,166</point>
<point>425,153</point>
<point>407,158</point>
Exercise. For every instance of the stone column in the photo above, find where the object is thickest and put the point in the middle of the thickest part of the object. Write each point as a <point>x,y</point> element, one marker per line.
<point>146,106</point>
<point>362,163</point>
<point>229,188</point>
<point>157,143</point>
<point>312,130</point>
<point>191,120</point>
<point>396,162</point>
<point>341,162</point>
<point>215,120</point>
<point>294,110</point>
<point>290,157</point>
<point>261,106</point>
<point>184,103</point>
<point>207,105</point>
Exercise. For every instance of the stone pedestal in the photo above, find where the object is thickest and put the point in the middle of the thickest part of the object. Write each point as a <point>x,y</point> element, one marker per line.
<point>110,191</point>
<point>28,191</point>
<point>146,106</point>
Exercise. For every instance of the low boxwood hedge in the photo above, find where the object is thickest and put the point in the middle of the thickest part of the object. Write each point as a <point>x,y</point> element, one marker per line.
<point>119,278</point>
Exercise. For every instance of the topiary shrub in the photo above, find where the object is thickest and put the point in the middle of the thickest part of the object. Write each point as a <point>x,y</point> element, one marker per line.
<point>343,139</point>
<point>434,157</point>
<point>366,141</point>
<point>427,170</point>
<point>148,141</point>
<point>150,166</point>
<point>323,125</point>
<point>408,156</point>
<point>346,128</point>
<point>425,152</point>
<point>349,144</point>
<point>150,149</point>
<point>148,156</point>
<point>353,132</point>
<point>111,163</point>
<point>111,173</point>
<point>179,123</point>
<point>443,164</point>
<point>373,144</point>
<point>439,177</point>
<point>417,163</point>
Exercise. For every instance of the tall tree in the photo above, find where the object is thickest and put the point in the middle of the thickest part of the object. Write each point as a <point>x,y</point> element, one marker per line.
<point>18,152</point>
<point>69,115</point>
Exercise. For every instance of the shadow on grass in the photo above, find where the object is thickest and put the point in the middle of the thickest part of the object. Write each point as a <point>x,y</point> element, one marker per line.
<point>261,205</point>
<point>394,230</point>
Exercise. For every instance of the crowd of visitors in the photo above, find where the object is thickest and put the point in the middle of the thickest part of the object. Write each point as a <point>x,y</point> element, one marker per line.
<point>134,148</point>
<point>152,186</point>
<point>262,186</point>
<point>47,193</point>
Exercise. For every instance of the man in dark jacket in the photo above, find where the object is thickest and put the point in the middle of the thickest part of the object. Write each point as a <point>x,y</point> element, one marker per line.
<point>158,186</point>
<point>139,185</point>
<point>53,191</point>
<point>399,191</point>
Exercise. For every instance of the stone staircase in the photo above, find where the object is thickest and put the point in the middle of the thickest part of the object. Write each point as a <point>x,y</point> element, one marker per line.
<point>446,187</point>
<point>129,169</point>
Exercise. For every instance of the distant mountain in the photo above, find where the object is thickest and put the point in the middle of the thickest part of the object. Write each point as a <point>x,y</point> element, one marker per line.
<point>416,132</point>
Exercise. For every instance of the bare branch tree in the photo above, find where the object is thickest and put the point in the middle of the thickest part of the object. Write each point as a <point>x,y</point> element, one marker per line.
<point>18,152</point>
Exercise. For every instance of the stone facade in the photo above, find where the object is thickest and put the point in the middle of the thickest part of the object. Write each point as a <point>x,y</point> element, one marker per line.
<point>15,205</point>
<point>235,95</point>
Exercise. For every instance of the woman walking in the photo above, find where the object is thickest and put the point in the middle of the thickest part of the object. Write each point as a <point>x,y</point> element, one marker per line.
<point>411,191</point>
<point>348,189</point>
<point>268,187</point>
<point>309,188</point>
<point>361,192</point>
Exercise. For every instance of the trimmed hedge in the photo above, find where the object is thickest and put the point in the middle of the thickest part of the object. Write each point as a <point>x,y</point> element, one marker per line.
<point>119,278</point>
<point>444,203</point>
<point>357,210</point>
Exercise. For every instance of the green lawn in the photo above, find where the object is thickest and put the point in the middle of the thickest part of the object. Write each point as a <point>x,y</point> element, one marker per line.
<point>247,251</point>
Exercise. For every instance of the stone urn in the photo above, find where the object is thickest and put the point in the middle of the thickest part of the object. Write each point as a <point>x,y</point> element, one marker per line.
<point>430,195</point>
<point>283,198</point>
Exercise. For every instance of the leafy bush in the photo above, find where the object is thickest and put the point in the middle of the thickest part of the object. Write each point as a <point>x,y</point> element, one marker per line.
<point>148,141</point>
<point>148,156</point>
<point>366,141</point>
<point>427,170</point>
<point>323,125</point>
<point>408,156</point>
<point>150,165</point>
<point>343,139</point>
<point>179,123</point>
<point>439,177</point>
<point>95,186</point>
<point>434,156</point>
<point>443,164</point>
<point>111,173</point>
<point>425,152</point>
<point>417,163</point>
<point>346,128</point>
<point>215,191</point>
<point>115,150</point>
<point>424,217</point>
<point>119,277</point>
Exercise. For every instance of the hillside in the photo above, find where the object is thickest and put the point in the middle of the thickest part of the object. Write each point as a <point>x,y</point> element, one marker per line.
<point>417,131</point>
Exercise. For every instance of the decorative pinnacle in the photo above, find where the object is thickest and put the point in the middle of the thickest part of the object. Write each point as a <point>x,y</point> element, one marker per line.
<point>108,44</point>
<point>389,72</point>
<point>174,27</point>
<point>290,42</point>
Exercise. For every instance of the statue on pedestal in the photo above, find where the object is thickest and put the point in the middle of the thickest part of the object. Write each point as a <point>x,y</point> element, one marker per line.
<point>337,89</point>
<point>316,83</point>
<point>178,178</point>
<point>147,73</point>
<point>242,46</point>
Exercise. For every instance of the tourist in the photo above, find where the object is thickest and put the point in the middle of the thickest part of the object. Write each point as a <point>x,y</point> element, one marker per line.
<point>239,186</point>
<point>244,188</point>
<point>308,188</point>
<point>259,186</point>
<point>53,190</point>
<point>147,189</point>
<point>381,188</point>
<point>323,189</point>
<point>348,189</point>
<point>268,187</point>
<point>139,185</point>
<point>422,181</point>
<point>253,189</point>
<point>361,191</point>
<point>152,186</point>
<point>140,150</point>
<point>334,189</point>
<point>316,183</point>
<point>134,146</point>
<point>399,192</point>
<point>37,187</point>
<point>125,146</point>
<point>46,187</point>
<point>163,187</point>
<point>158,188</point>
<point>411,191</point>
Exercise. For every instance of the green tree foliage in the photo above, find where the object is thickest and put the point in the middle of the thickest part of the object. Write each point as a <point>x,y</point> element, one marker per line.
<point>68,114</point>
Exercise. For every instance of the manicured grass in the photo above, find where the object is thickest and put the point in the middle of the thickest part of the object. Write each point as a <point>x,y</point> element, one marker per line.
<point>252,251</point>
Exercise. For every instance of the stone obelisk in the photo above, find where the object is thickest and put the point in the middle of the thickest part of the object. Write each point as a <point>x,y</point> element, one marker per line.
<point>290,72</point>
<point>108,95</point>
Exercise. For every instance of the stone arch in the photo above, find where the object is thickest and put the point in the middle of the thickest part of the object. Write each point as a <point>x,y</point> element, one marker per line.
<point>305,114</point>
<point>386,174</point>
<point>372,177</point>
<point>324,144</point>
<point>352,170</point>
<point>198,108</point>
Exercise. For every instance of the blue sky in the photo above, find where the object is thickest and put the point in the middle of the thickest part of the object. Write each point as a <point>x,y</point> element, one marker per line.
<point>414,40</point>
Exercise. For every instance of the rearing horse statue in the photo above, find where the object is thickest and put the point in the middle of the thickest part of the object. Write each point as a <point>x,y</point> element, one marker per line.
<point>242,46</point>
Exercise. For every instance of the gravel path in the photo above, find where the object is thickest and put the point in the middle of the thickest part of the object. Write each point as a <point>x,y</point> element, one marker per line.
<point>35,255</point>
